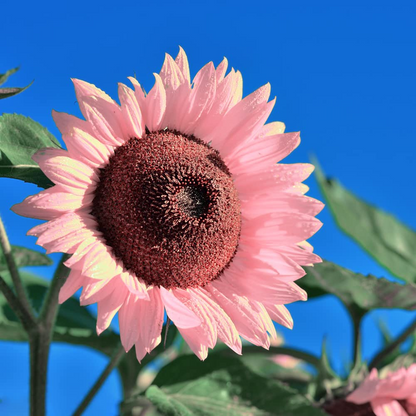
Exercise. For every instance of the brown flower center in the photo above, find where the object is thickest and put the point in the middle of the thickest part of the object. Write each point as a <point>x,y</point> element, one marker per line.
<point>167,205</point>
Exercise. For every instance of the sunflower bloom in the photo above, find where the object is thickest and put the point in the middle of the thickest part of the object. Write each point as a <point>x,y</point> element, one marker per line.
<point>174,201</point>
<point>394,395</point>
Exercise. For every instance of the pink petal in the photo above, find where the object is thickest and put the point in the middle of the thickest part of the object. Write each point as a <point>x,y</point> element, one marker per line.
<point>183,65</point>
<point>51,203</point>
<point>73,176</point>
<point>242,121</point>
<point>70,242</point>
<point>106,121</point>
<point>86,148</point>
<point>84,89</point>
<point>180,315</point>
<point>206,332</point>
<point>96,290</point>
<point>129,322</point>
<point>221,70</point>
<point>200,98</point>
<point>77,260</point>
<point>239,309</point>
<point>135,286</point>
<point>280,229</point>
<point>267,288</point>
<point>99,262</point>
<point>227,92</point>
<point>108,307</point>
<point>151,319</point>
<point>262,153</point>
<point>59,227</point>
<point>409,384</point>
<point>299,255</point>
<point>155,105</point>
<point>367,390</point>
<point>141,351</point>
<point>196,340</point>
<point>171,75</point>
<point>73,282</point>
<point>226,329</point>
<point>282,202</point>
<point>139,93</point>
<point>134,124</point>
<point>280,177</point>
<point>66,122</point>
<point>275,127</point>
<point>287,269</point>
<point>384,406</point>
<point>280,314</point>
<point>266,321</point>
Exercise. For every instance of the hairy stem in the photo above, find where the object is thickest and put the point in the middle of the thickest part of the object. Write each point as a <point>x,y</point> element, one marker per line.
<point>118,354</point>
<point>38,367</point>
<point>357,341</point>
<point>14,273</point>
<point>50,305</point>
<point>40,341</point>
<point>393,345</point>
<point>14,302</point>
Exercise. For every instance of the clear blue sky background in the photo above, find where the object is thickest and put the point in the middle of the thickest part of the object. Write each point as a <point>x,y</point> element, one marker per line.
<point>343,73</point>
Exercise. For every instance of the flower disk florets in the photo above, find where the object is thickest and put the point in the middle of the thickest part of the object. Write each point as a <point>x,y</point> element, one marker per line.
<point>167,206</point>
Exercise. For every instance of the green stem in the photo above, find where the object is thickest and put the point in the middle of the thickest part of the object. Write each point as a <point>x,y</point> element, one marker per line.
<point>14,272</point>
<point>40,341</point>
<point>50,305</point>
<point>38,366</point>
<point>14,302</point>
<point>393,345</point>
<point>118,354</point>
<point>357,341</point>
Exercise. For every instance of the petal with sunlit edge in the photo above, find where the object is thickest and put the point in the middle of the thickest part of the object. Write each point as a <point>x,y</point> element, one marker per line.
<point>177,201</point>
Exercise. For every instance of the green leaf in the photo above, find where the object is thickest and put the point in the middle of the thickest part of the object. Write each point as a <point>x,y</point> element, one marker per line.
<point>4,77</point>
<point>25,257</point>
<point>385,238</point>
<point>10,91</point>
<point>222,385</point>
<point>358,293</point>
<point>20,138</point>
<point>74,324</point>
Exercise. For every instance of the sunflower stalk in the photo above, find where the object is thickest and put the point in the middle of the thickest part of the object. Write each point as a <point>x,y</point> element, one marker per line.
<point>40,340</point>
<point>357,341</point>
<point>115,359</point>
<point>393,345</point>
<point>16,306</point>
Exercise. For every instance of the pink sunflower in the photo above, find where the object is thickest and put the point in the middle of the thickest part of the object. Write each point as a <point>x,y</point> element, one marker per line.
<point>174,201</point>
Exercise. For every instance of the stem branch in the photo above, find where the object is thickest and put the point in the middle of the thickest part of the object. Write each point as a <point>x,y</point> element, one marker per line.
<point>17,307</point>
<point>14,272</point>
<point>40,341</point>
<point>357,341</point>
<point>50,305</point>
<point>393,345</point>
<point>118,354</point>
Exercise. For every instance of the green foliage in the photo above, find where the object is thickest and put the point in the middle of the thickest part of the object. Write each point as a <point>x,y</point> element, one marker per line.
<point>74,324</point>
<point>20,138</point>
<point>221,385</point>
<point>359,293</point>
<point>25,257</point>
<point>385,238</point>
<point>10,91</point>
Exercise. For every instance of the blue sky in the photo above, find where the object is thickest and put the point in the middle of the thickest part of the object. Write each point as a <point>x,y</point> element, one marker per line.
<point>343,74</point>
